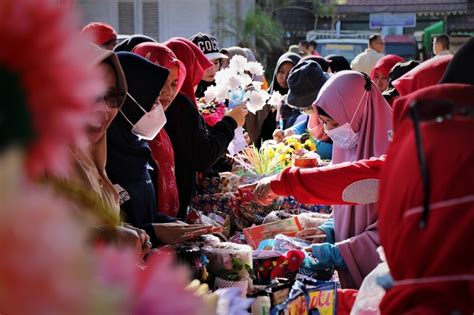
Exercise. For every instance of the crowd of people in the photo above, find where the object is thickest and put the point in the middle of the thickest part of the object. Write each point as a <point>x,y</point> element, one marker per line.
<point>396,132</point>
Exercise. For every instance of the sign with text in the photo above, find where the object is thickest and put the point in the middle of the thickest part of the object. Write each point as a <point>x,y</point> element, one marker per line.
<point>378,20</point>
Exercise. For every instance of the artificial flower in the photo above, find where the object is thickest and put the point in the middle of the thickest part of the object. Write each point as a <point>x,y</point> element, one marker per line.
<point>256,101</point>
<point>237,64</point>
<point>156,288</point>
<point>235,82</point>
<point>275,99</point>
<point>254,68</point>
<point>210,93</point>
<point>59,86</point>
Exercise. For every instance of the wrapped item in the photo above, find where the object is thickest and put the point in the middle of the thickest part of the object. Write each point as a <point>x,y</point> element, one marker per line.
<point>313,220</point>
<point>255,234</point>
<point>371,293</point>
<point>220,256</point>
<point>295,207</point>
<point>285,243</point>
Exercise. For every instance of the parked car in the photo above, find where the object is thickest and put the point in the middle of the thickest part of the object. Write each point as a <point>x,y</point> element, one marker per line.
<point>347,47</point>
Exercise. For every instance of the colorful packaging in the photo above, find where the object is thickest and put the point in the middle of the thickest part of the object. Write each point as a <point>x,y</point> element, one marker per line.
<point>309,297</point>
<point>255,234</point>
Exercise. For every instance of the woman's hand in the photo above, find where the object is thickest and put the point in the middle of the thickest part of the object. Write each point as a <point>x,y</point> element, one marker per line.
<point>238,113</point>
<point>316,235</point>
<point>262,191</point>
<point>178,232</point>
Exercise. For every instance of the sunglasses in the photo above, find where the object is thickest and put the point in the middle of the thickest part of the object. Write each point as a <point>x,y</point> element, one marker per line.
<point>113,99</point>
<point>434,111</point>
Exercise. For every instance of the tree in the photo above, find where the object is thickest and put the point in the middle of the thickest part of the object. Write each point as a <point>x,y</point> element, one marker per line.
<point>257,31</point>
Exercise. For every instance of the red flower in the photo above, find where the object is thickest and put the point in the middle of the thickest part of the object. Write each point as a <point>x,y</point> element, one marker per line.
<point>43,46</point>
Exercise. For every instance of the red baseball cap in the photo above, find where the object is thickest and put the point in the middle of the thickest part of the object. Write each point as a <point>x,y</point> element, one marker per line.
<point>99,33</point>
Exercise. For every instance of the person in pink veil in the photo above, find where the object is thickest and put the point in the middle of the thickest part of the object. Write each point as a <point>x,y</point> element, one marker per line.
<point>359,121</point>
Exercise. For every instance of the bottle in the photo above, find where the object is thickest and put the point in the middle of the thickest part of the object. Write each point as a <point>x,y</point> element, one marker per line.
<point>262,304</point>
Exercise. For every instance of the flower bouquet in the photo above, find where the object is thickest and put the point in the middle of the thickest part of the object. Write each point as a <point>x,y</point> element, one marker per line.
<point>212,112</point>
<point>296,151</point>
<point>235,85</point>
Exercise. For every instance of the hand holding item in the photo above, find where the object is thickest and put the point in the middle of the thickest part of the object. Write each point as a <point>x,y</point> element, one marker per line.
<point>278,135</point>
<point>262,190</point>
<point>316,235</point>
<point>327,256</point>
<point>238,113</point>
<point>179,232</point>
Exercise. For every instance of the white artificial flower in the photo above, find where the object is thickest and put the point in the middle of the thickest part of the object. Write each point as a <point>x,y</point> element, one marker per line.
<point>238,63</point>
<point>221,93</point>
<point>210,93</point>
<point>245,80</point>
<point>275,99</point>
<point>257,85</point>
<point>254,67</point>
<point>256,101</point>
<point>234,83</point>
<point>223,76</point>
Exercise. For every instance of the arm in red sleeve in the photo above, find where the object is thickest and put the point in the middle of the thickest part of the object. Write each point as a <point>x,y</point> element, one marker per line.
<point>327,185</point>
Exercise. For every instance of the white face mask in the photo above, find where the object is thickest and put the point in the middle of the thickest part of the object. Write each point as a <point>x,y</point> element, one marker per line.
<point>148,126</point>
<point>343,136</point>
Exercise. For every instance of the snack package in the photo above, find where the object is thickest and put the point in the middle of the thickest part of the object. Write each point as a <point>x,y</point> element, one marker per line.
<point>220,256</point>
<point>255,234</point>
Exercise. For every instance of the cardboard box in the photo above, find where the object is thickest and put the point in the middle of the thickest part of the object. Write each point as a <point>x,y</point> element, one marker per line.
<point>255,234</point>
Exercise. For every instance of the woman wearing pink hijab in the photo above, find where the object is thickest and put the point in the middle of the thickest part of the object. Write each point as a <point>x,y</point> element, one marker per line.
<point>359,121</point>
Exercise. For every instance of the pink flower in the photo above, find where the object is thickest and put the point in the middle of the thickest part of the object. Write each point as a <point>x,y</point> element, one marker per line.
<point>43,47</point>
<point>155,289</point>
<point>44,267</point>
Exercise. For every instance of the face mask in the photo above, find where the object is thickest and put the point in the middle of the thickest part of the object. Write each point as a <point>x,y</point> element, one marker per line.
<point>148,126</point>
<point>343,136</point>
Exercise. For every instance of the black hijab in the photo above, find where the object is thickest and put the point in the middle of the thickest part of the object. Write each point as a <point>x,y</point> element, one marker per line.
<point>127,156</point>
<point>461,67</point>
<point>323,63</point>
<point>338,63</point>
<point>132,41</point>
<point>286,57</point>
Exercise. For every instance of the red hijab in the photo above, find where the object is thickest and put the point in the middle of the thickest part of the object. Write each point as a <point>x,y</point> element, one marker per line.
<point>194,60</point>
<point>161,147</point>
<point>432,267</point>
<point>385,64</point>
<point>426,74</point>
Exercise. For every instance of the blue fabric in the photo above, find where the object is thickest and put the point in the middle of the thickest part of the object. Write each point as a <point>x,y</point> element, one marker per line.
<point>328,228</point>
<point>327,255</point>
<point>300,127</point>
<point>324,149</point>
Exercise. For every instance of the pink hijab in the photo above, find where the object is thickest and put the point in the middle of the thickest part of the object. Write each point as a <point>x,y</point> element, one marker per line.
<point>345,98</point>
<point>194,60</point>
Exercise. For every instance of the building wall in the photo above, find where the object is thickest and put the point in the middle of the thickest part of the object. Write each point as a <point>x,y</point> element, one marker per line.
<point>163,19</point>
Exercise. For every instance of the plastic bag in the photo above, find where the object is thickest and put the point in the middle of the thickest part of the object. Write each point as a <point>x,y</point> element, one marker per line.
<point>370,293</point>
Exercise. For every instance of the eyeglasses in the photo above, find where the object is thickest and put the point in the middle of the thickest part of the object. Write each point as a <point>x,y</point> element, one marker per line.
<point>112,98</point>
<point>436,111</point>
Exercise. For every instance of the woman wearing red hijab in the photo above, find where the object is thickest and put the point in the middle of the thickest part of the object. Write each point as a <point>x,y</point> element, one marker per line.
<point>161,147</point>
<point>195,148</point>
<point>194,60</point>
<point>379,73</point>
